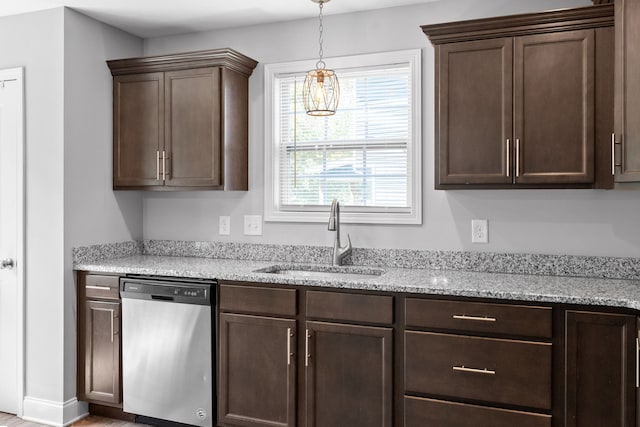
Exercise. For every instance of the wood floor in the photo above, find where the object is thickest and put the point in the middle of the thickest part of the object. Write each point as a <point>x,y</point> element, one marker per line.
<point>7,420</point>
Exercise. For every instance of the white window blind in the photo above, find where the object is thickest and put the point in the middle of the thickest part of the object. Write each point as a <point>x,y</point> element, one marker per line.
<point>363,156</point>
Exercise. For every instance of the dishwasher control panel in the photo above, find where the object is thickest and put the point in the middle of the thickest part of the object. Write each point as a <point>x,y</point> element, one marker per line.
<point>190,292</point>
<point>165,290</point>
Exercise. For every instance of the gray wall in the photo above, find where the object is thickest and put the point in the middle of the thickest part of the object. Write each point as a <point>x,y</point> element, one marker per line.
<point>93,212</point>
<point>69,201</point>
<point>579,222</point>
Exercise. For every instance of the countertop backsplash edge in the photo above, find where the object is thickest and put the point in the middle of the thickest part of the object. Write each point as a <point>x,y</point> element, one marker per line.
<point>486,262</point>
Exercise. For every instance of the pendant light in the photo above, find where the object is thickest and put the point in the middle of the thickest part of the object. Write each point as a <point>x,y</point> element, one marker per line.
<point>321,91</point>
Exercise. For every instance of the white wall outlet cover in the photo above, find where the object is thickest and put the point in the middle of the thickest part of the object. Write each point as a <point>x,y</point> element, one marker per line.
<point>479,231</point>
<point>253,225</point>
<point>224,227</point>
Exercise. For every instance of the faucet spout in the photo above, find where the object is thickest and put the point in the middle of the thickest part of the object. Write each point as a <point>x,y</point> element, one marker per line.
<point>339,252</point>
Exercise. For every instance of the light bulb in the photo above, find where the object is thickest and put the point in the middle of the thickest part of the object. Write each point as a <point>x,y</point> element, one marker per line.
<point>318,93</point>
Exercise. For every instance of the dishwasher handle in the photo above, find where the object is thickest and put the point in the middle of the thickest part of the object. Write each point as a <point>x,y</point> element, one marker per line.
<point>162,298</point>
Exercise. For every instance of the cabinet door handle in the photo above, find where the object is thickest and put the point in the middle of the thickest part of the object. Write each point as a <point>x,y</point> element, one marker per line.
<point>164,165</point>
<point>289,353</point>
<point>306,349</point>
<point>98,288</point>
<point>484,371</point>
<point>613,154</point>
<point>517,157</point>
<point>637,362</point>
<point>112,321</point>
<point>508,157</point>
<point>474,318</point>
<point>158,165</point>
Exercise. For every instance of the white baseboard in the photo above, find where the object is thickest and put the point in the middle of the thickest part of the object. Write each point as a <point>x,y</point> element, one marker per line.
<point>56,414</point>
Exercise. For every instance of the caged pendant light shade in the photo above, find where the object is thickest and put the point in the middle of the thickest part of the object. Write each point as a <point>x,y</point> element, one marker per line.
<point>321,90</point>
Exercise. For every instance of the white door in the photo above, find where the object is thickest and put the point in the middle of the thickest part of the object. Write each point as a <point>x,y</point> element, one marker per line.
<point>11,239</point>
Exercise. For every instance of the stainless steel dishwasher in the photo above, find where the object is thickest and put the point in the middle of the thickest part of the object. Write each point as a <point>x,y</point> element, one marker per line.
<point>167,349</point>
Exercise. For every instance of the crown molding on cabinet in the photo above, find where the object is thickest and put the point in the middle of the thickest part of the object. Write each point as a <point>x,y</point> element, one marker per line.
<point>524,24</point>
<point>226,57</point>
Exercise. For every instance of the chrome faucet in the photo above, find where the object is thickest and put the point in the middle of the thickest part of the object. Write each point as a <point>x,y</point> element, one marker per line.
<point>339,252</point>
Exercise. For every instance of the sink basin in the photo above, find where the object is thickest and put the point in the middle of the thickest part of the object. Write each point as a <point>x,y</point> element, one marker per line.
<point>323,272</point>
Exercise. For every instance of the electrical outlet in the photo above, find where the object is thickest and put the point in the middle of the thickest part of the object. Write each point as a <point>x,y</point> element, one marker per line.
<point>224,227</point>
<point>253,225</point>
<point>479,231</point>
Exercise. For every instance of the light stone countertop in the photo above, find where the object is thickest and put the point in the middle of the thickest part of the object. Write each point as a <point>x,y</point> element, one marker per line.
<point>520,287</point>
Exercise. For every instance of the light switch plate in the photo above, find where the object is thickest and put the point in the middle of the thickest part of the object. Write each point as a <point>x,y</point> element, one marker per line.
<point>479,231</point>
<point>224,227</point>
<point>253,225</point>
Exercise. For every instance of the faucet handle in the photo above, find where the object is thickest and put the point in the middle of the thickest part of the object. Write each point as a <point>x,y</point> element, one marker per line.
<point>347,247</point>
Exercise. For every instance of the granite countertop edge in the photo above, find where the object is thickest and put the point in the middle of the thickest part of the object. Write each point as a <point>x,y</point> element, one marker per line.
<point>615,293</point>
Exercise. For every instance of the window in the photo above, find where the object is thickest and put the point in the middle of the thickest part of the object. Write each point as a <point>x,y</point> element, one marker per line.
<point>367,156</point>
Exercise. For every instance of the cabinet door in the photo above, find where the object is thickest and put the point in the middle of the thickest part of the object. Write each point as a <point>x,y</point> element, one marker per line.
<point>474,112</point>
<point>138,130</point>
<point>257,371</point>
<point>600,376</point>
<point>627,90</point>
<point>554,108</point>
<point>193,131</point>
<point>348,375</point>
<point>102,353</point>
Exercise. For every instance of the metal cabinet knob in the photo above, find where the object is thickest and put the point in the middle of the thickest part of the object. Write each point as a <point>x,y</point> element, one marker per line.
<point>6,264</point>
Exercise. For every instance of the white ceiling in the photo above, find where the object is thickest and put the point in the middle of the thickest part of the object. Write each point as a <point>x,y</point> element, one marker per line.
<point>151,18</point>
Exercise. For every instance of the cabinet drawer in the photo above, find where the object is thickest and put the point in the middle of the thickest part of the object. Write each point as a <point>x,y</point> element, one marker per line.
<point>428,412</point>
<point>487,369</point>
<point>479,317</point>
<point>105,287</point>
<point>252,299</point>
<point>350,307</point>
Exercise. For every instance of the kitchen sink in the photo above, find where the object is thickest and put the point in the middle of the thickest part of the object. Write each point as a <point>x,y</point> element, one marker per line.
<point>323,272</point>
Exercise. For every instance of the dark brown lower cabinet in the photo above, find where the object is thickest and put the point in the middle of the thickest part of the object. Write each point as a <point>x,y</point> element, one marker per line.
<point>459,363</point>
<point>422,412</point>
<point>102,352</point>
<point>99,342</point>
<point>497,371</point>
<point>257,371</point>
<point>347,378</point>
<point>348,375</point>
<point>600,371</point>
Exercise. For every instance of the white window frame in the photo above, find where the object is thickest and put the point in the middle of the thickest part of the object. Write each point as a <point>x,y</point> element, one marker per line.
<point>369,215</point>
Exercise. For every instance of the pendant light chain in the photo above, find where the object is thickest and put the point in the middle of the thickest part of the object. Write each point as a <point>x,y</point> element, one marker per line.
<point>320,63</point>
<point>321,90</point>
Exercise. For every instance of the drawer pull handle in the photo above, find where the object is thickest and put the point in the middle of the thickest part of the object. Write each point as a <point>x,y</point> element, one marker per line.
<point>484,371</point>
<point>98,288</point>
<point>476,318</point>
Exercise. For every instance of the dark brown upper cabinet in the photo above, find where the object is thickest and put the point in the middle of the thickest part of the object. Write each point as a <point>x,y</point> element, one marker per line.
<point>516,100</point>
<point>180,122</point>
<point>627,88</point>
